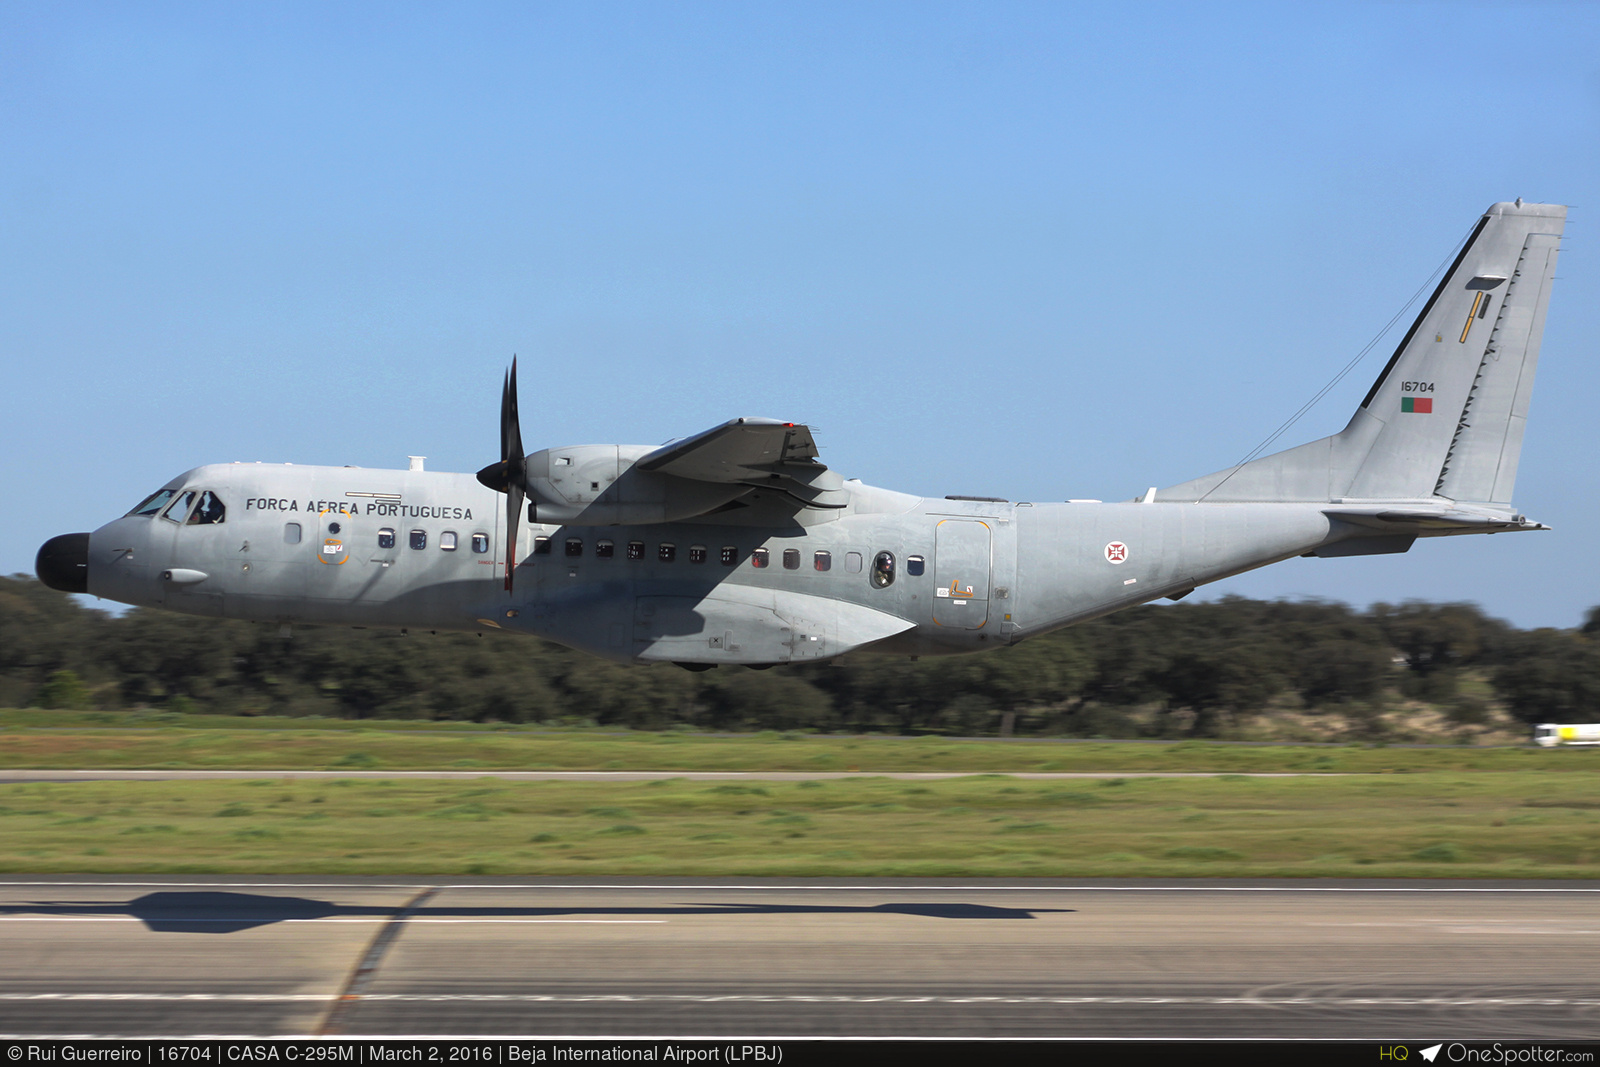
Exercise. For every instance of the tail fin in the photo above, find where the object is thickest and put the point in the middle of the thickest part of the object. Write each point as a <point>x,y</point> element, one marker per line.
<point>1445,418</point>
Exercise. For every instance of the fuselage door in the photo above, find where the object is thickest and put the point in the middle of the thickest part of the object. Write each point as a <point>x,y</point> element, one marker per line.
<point>961,564</point>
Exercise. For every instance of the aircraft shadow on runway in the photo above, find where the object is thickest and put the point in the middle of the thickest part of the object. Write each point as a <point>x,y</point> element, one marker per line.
<point>226,913</point>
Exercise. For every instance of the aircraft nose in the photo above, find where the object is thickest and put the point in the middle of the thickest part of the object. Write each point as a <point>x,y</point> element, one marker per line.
<point>63,563</point>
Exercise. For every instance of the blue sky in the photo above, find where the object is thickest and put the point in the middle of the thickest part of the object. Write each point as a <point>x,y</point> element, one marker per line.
<point>1037,251</point>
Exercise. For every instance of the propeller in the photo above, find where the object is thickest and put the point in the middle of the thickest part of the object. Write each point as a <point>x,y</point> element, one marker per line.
<point>509,475</point>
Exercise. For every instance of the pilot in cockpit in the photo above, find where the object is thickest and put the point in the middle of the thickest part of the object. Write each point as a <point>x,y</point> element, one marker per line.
<point>209,511</point>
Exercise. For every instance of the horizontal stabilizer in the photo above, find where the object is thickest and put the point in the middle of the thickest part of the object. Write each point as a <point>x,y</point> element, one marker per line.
<point>1428,519</point>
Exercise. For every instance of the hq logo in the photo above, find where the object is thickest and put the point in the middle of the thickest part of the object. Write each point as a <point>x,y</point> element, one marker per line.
<point>1401,1053</point>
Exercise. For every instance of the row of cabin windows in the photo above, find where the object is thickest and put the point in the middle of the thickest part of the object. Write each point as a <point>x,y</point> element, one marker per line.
<point>883,564</point>
<point>448,540</point>
<point>204,508</point>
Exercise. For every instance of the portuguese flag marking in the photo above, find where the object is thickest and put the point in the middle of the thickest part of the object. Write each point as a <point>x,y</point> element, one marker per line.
<point>1417,404</point>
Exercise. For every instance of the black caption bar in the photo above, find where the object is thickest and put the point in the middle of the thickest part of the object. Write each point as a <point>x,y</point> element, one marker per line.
<point>769,1052</point>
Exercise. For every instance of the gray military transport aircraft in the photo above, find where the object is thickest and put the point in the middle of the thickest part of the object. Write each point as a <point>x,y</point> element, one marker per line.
<point>736,546</point>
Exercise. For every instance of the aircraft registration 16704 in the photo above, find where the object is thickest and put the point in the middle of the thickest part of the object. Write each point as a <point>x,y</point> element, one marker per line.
<point>736,546</point>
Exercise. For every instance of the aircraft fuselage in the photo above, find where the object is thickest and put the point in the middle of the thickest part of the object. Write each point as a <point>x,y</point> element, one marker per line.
<point>904,574</point>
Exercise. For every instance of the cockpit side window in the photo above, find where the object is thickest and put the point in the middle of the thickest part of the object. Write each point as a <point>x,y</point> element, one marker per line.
<point>210,511</point>
<point>179,509</point>
<point>153,503</point>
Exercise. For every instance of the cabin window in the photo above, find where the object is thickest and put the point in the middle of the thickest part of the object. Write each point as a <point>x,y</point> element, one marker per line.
<point>822,561</point>
<point>385,538</point>
<point>852,562</point>
<point>419,538</point>
<point>697,553</point>
<point>915,565</point>
<point>480,543</point>
<point>447,541</point>
<point>291,533</point>
<point>180,507</point>
<point>574,546</point>
<point>541,546</point>
<point>154,502</point>
<point>791,559</point>
<point>883,570</point>
<point>636,550</point>
<point>604,549</point>
<point>667,552</point>
<point>209,512</point>
<point>758,558</point>
<point>730,555</point>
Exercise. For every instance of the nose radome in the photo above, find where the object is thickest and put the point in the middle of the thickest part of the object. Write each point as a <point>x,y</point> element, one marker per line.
<point>63,563</point>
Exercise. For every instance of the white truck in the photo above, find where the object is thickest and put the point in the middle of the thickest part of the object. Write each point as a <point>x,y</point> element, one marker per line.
<point>1550,734</point>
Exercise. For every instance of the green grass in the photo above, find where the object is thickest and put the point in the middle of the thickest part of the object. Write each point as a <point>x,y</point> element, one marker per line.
<point>1432,824</point>
<point>92,740</point>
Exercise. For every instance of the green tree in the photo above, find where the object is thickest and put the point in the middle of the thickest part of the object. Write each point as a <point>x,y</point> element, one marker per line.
<point>64,689</point>
<point>1437,640</point>
<point>1550,676</point>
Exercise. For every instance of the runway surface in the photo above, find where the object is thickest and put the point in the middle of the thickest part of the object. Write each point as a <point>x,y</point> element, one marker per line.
<point>137,956</point>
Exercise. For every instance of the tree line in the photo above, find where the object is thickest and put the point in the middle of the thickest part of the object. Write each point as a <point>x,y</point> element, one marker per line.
<point>1189,669</point>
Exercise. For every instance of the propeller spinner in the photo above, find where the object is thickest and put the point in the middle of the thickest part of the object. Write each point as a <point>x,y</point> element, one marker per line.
<point>510,474</point>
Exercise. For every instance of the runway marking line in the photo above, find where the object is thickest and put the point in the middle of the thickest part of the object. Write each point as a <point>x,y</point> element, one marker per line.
<point>804,998</point>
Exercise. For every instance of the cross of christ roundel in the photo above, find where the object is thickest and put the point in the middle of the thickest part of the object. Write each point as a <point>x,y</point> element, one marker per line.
<point>1116,552</point>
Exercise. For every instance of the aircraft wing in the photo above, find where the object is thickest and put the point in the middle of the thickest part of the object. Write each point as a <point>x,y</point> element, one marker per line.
<point>764,454</point>
<point>736,451</point>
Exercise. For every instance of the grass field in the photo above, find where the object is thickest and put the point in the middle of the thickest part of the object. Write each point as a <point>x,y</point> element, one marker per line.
<point>84,740</point>
<point>1432,824</point>
<point>1361,811</point>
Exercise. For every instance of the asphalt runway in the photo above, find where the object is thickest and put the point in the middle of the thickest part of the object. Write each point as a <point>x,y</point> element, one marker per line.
<point>230,957</point>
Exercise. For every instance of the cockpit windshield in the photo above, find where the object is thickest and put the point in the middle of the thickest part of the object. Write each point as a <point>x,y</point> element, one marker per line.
<point>154,502</point>
<point>191,507</point>
<point>179,508</point>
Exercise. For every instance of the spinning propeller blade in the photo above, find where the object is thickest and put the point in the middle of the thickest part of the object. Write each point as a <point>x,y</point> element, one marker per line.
<point>509,474</point>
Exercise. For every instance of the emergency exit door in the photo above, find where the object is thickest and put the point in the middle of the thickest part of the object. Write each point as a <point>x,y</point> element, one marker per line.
<point>961,551</point>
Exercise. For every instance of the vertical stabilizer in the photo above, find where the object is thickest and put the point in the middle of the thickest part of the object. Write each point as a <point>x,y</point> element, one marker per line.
<point>1481,463</point>
<point>1446,415</point>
